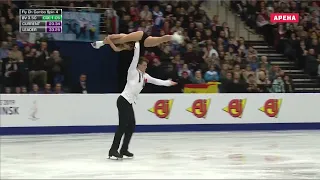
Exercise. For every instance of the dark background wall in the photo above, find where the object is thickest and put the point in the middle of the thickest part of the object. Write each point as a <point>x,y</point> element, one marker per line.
<point>101,66</point>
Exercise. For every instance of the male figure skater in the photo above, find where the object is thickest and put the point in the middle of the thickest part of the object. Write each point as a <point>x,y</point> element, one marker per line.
<point>136,79</point>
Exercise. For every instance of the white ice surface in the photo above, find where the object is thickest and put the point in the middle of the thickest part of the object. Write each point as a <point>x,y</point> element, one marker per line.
<point>211,155</point>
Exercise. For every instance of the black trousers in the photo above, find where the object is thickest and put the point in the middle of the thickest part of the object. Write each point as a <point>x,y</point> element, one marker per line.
<point>127,124</point>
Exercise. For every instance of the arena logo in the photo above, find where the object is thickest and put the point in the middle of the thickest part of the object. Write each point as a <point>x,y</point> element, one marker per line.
<point>236,107</point>
<point>200,108</point>
<point>271,107</point>
<point>284,17</point>
<point>162,108</point>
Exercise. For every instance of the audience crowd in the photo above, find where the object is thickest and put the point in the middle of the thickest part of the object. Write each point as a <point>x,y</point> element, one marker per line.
<point>25,66</point>
<point>298,41</point>
<point>210,53</point>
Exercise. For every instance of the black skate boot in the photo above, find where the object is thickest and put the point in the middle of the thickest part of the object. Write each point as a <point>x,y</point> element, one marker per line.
<point>126,153</point>
<point>114,153</point>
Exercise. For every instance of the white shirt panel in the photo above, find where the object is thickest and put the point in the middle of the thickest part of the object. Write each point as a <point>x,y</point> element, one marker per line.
<point>137,79</point>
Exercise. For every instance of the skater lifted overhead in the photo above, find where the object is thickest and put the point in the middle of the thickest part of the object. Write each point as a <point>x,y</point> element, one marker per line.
<point>126,41</point>
<point>136,79</point>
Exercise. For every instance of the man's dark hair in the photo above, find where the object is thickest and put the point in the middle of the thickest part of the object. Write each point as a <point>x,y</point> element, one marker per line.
<point>141,60</point>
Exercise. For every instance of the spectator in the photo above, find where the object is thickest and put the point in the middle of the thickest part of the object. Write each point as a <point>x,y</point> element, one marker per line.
<point>2,27</point>
<point>8,31</point>
<point>311,63</point>
<point>192,58</point>
<point>198,78</point>
<point>263,82</point>
<point>158,15</point>
<point>211,75</point>
<point>183,80</point>
<point>177,62</point>
<point>35,89</point>
<point>18,90</point>
<point>246,72</point>
<point>288,86</point>
<point>134,13</point>
<point>226,85</point>
<point>225,30</point>
<point>265,27</point>
<point>252,60</point>
<point>24,90</point>
<point>278,85</point>
<point>4,51</point>
<point>236,86</point>
<point>236,69</point>
<point>47,89</point>
<point>184,68</point>
<point>36,67</point>
<point>168,11</point>
<point>156,68</point>
<point>81,86</point>
<point>252,51</point>
<point>252,86</point>
<point>11,74</point>
<point>54,67</point>
<point>145,14</point>
<point>212,52</point>
<point>58,89</point>
<point>16,53</point>
<point>144,27</point>
<point>7,90</point>
<point>264,61</point>
<point>10,42</point>
<point>177,28</point>
<point>166,54</point>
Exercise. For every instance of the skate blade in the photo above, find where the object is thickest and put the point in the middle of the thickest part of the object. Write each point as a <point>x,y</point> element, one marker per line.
<point>94,45</point>
<point>114,158</point>
<point>127,157</point>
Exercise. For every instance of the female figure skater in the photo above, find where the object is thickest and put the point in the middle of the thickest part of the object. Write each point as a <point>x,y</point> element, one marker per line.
<point>126,41</point>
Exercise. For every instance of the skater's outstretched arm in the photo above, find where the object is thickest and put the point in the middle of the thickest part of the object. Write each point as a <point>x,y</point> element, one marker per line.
<point>115,48</point>
<point>159,82</point>
<point>135,59</point>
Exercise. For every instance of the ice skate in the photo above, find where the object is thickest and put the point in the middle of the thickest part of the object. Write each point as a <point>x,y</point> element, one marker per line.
<point>115,154</point>
<point>126,153</point>
<point>97,44</point>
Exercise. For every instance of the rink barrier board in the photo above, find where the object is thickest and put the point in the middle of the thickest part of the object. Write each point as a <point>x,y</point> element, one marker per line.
<point>97,113</point>
<point>159,128</point>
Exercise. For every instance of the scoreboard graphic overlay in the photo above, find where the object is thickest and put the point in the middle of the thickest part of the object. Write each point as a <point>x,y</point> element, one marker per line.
<point>40,20</point>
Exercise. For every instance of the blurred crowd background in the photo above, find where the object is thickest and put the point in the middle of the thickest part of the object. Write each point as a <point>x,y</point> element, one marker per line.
<point>212,51</point>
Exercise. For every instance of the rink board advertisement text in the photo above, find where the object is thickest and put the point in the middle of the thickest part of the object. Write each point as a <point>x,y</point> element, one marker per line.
<point>55,114</point>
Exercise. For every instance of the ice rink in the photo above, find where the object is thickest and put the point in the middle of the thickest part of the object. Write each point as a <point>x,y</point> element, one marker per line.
<point>211,155</point>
